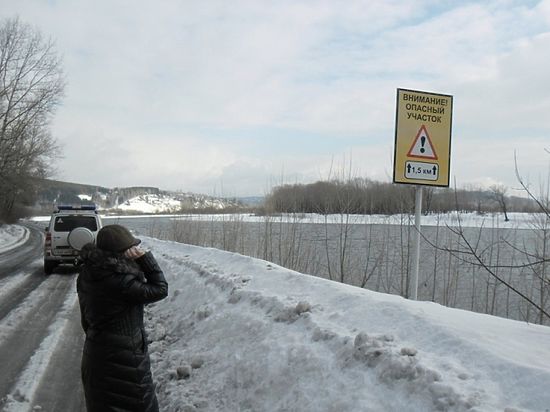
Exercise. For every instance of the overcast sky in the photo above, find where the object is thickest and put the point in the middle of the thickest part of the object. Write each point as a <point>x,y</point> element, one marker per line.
<point>234,97</point>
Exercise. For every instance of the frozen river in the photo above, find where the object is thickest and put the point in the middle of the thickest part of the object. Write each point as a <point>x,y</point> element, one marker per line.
<point>377,254</point>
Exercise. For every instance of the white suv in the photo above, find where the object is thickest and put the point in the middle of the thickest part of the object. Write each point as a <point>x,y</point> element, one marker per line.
<point>70,228</point>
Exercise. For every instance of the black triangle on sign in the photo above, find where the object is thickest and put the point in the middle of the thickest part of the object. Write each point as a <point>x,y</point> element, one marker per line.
<point>422,146</point>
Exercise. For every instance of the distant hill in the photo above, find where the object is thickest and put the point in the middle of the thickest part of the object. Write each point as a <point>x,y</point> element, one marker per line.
<point>137,199</point>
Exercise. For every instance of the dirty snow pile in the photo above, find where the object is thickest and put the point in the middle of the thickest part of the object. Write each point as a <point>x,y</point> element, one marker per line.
<point>242,334</point>
<point>12,236</point>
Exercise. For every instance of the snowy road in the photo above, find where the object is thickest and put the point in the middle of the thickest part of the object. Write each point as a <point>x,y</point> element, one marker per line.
<point>40,335</point>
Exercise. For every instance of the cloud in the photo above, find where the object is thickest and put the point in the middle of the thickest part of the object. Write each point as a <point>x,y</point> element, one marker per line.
<point>192,94</point>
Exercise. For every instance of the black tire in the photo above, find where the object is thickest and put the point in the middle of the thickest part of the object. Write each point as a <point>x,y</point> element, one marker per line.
<point>49,266</point>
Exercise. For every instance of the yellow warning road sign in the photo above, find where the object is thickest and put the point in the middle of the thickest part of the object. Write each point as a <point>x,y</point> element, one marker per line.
<point>422,151</point>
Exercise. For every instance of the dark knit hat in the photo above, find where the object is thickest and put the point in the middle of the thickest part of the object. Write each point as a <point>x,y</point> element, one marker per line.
<point>115,238</point>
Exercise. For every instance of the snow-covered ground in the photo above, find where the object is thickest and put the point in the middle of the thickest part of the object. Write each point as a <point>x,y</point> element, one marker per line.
<point>150,204</point>
<point>242,334</point>
<point>11,236</point>
<point>167,203</point>
<point>453,219</point>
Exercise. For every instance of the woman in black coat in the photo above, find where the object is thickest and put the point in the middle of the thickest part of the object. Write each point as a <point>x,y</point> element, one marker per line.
<point>115,281</point>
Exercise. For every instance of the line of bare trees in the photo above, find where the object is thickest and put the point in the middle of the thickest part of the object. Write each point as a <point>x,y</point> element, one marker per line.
<point>364,196</point>
<point>31,86</point>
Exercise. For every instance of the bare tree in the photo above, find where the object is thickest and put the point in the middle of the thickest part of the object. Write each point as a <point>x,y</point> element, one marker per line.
<point>498,193</point>
<point>533,258</point>
<point>31,86</point>
<point>543,199</point>
<point>539,259</point>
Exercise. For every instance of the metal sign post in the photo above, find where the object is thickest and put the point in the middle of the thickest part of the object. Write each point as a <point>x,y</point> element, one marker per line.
<point>416,256</point>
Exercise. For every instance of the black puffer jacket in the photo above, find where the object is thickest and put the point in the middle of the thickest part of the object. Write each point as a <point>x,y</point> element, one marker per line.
<point>115,362</point>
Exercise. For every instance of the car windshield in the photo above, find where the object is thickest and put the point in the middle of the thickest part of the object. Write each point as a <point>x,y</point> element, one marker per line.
<point>68,223</point>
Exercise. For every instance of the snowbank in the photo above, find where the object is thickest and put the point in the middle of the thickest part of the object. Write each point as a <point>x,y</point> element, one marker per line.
<point>238,333</point>
<point>12,236</point>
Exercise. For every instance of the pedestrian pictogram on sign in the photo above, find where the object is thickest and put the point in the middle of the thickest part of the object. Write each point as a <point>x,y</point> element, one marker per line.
<point>422,146</point>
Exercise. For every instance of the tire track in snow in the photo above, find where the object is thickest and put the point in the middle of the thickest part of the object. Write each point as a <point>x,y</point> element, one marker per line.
<point>63,373</point>
<point>17,242</point>
<point>16,259</point>
<point>24,327</point>
<point>22,394</point>
<point>13,289</point>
